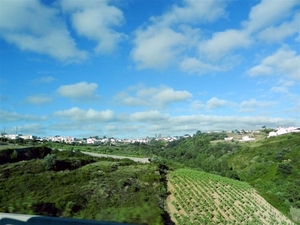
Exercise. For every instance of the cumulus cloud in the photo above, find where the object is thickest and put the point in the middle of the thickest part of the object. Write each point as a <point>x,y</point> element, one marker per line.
<point>7,116</point>
<point>218,123</point>
<point>152,96</point>
<point>38,99</point>
<point>96,21</point>
<point>148,116</point>
<point>252,105</point>
<point>80,115</point>
<point>268,12</point>
<point>159,44</point>
<point>284,62</point>
<point>32,128</point>
<point>192,12</point>
<point>215,103</point>
<point>156,48</point>
<point>195,105</point>
<point>32,26</point>
<point>224,42</point>
<point>278,89</point>
<point>194,65</point>
<point>279,33</point>
<point>79,91</point>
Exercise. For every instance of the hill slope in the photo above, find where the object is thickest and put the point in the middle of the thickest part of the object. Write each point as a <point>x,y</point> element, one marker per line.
<point>272,166</point>
<point>201,198</point>
<point>71,184</point>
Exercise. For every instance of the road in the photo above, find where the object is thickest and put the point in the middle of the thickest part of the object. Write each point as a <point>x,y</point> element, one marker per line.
<point>142,160</point>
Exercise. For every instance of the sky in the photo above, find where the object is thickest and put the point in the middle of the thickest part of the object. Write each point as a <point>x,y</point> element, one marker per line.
<point>138,68</point>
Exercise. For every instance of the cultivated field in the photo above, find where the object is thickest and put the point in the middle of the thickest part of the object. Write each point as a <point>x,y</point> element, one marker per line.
<point>201,198</point>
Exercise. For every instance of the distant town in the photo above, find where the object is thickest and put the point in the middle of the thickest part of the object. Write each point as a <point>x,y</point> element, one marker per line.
<point>244,135</point>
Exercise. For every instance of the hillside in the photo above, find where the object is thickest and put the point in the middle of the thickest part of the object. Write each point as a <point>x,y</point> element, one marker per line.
<point>269,165</point>
<point>201,198</point>
<point>71,184</point>
<point>272,166</point>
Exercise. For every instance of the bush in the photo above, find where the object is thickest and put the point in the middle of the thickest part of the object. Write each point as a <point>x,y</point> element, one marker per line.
<point>285,168</point>
<point>50,161</point>
<point>295,214</point>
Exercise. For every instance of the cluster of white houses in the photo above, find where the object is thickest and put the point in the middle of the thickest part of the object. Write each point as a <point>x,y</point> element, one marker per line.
<point>90,140</point>
<point>282,130</point>
<point>105,140</point>
<point>278,131</point>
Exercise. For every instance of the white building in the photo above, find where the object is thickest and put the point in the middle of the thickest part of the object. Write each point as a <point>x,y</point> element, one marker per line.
<point>282,130</point>
<point>92,141</point>
<point>228,138</point>
<point>247,138</point>
<point>12,136</point>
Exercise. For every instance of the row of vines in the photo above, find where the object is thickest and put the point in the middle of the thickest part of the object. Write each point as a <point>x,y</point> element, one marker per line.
<point>201,198</point>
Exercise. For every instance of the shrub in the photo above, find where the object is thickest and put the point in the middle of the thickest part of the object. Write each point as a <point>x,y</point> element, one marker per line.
<point>50,161</point>
<point>14,155</point>
<point>285,168</point>
<point>295,214</point>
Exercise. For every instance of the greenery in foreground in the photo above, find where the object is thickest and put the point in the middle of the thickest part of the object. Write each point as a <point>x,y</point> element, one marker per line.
<point>71,184</point>
<point>270,165</point>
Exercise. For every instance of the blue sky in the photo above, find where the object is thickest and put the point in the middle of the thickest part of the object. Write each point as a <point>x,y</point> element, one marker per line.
<point>135,68</point>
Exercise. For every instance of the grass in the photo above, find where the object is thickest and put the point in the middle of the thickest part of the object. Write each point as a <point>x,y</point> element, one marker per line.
<point>96,188</point>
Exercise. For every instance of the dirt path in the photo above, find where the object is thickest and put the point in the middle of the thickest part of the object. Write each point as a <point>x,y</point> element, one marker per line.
<point>142,160</point>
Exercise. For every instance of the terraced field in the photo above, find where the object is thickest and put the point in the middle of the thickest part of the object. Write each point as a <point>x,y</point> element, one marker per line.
<point>201,198</point>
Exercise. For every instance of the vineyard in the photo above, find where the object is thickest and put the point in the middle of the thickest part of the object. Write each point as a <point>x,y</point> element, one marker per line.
<point>201,198</point>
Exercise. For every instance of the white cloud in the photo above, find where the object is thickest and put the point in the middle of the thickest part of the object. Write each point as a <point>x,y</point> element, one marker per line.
<point>7,116</point>
<point>168,95</point>
<point>193,65</point>
<point>268,12</point>
<point>279,33</point>
<point>35,27</point>
<point>152,96</point>
<point>156,48</point>
<point>284,62</point>
<point>111,127</point>
<point>159,44</point>
<point>224,42</point>
<point>96,21</point>
<point>148,116</point>
<point>39,99</point>
<point>195,105</point>
<point>253,105</point>
<point>202,122</point>
<point>47,79</point>
<point>32,128</point>
<point>215,103</point>
<point>282,90</point>
<point>80,115</point>
<point>192,12</point>
<point>79,91</point>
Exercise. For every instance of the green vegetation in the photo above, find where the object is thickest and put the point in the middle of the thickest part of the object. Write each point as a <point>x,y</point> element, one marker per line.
<point>72,184</point>
<point>202,198</point>
<point>270,165</point>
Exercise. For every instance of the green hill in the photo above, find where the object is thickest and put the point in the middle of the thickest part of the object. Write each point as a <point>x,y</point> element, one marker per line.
<point>272,166</point>
<point>202,198</point>
<point>71,184</point>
